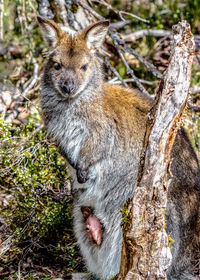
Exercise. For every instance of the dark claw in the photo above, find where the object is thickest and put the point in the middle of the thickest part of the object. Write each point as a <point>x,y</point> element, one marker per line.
<point>82,176</point>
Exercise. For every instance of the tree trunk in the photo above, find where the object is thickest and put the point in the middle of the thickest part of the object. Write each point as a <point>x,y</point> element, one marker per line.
<point>145,252</point>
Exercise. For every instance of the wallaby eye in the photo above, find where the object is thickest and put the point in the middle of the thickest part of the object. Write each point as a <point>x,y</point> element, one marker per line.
<point>87,227</point>
<point>84,67</point>
<point>56,66</point>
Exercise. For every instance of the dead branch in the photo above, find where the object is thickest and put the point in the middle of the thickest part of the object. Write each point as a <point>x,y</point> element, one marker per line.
<point>120,24</point>
<point>120,13</point>
<point>129,70</point>
<point>148,65</point>
<point>194,90</point>
<point>93,12</point>
<point>115,72</point>
<point>193,107</point>
<point>194,132</point>
<point>132,15</point>
<point>145,242</point>
<point>116,81</point>
<point>146,32</point>
<point>32,81</point>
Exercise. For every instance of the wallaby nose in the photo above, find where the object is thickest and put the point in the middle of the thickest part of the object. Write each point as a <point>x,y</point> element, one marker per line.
<point>68,87</point>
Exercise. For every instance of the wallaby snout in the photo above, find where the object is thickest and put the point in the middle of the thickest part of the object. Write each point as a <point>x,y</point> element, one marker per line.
<point>69,85</point>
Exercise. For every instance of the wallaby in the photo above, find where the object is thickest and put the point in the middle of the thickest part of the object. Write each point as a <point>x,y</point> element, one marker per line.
<point>93,226</point>
<point>99,128</point>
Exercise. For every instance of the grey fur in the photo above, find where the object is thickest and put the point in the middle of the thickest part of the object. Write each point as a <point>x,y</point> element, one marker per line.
<point>112,175</point>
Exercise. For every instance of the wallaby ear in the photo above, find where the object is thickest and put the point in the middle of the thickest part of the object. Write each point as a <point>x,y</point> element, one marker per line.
<point>95,34</point>
<point>86,211</point>
<point>50,30</point>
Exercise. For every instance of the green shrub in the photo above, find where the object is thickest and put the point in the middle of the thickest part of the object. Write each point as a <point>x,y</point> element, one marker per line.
<point>38,213</point>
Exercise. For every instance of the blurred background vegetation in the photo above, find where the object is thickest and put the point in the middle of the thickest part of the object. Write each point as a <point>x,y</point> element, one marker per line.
<point>36,236</point>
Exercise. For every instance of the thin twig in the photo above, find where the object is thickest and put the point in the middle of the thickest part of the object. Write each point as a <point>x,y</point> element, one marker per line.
<point>120,24</point>
<point>32,6</point>
<point>34,79</point>
<point>198,58</point>
<point>120,13</point>
<point>41,126</point>
<point>148,65</point>
<point>132,15</point>
<point>1,19</point>
<point>150,83</point>
<point>129,70</point>
<point>19,269</point>
<point>24,14</point>
<point>84,6</point>
<point>115,72</point>
<point>194,90</point>
<point>193,107</point>
<point>116,81</point>
<point>194,132</point>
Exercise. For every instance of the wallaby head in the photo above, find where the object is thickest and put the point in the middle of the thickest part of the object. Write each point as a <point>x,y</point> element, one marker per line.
<point>73,66</point>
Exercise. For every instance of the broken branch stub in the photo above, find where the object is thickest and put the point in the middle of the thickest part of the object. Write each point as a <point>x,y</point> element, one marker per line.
<point>145,252</point>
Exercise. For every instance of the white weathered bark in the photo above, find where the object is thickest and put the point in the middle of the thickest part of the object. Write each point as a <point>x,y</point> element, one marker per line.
<point>145,253</point>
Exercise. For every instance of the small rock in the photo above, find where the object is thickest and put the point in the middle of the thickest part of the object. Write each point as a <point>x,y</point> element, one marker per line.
<point>11,116</point>
<point>20,109</point>
<point>15,50</point>
<point>15,121</point>
<point>3,51</point>
<point>2,109</point>
<point>12,106</point>
<point>67,187</point>
<point>16,73</point>
<point>24,115</point>
<point>7,98</point>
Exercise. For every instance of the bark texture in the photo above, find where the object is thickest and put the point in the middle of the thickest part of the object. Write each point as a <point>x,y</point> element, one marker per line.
<point>145,252</point>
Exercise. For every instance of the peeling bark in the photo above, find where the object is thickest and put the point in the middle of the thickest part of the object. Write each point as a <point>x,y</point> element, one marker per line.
<point>145,252</point>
